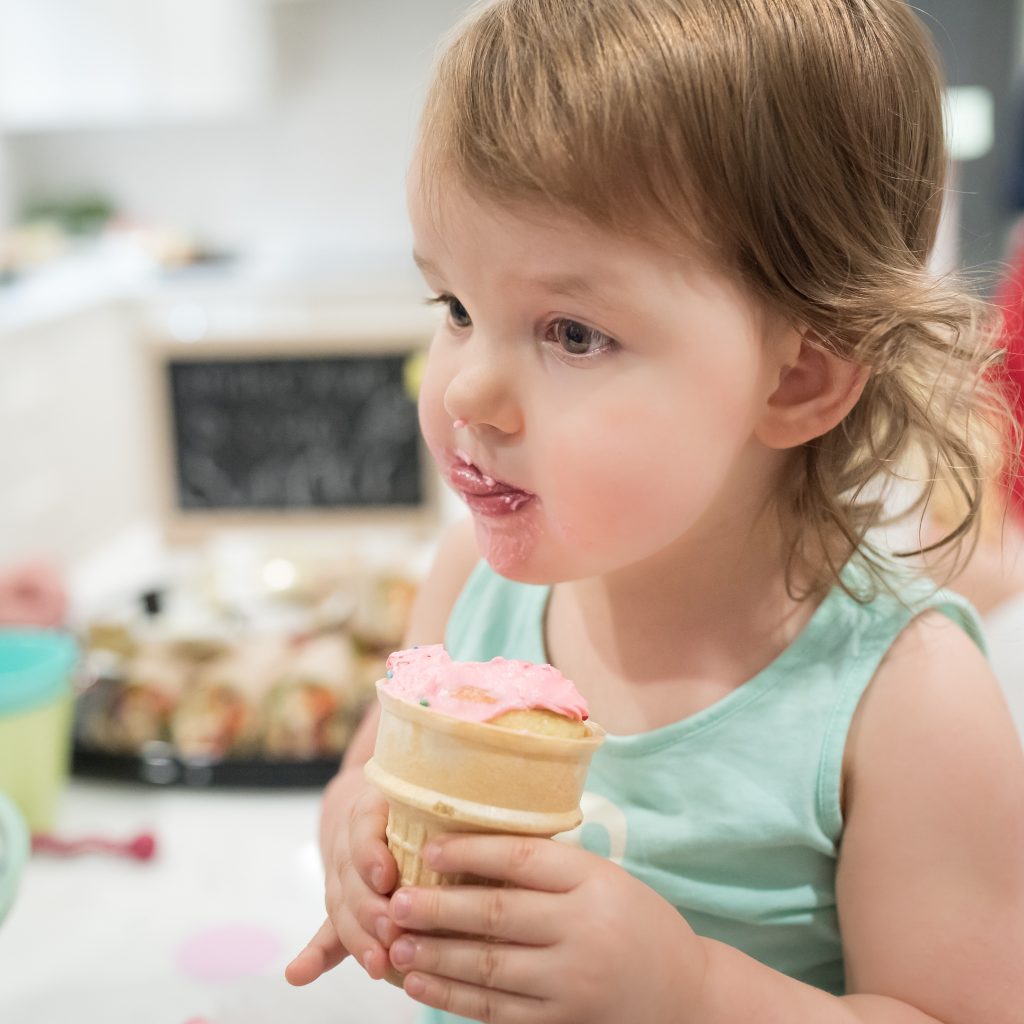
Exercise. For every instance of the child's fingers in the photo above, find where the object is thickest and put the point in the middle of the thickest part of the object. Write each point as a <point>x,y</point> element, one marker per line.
<point>474,1003</point>
<point>525,861</point>
<point>513,915</point>
<point>492,965</point>
<point>361,921</point>
<point>370,854</point>
<point>322,952</point>
<point>364,926</point>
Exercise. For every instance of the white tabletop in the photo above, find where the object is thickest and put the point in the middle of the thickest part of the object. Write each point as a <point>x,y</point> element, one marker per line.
<point>202,932</point>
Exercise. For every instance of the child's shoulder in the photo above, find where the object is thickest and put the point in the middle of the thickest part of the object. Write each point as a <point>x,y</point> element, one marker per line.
<point>935,662</point>
<point>927,669</point>
<point>933,706</point>
<point>888,603</point>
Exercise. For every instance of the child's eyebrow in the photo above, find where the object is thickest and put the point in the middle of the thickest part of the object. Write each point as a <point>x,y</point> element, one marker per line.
<point>423,263</point>
<point>562,284</point>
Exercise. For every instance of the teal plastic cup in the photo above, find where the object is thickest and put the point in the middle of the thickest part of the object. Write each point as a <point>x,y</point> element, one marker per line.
<point>36,697</point>
<point>14,847</point>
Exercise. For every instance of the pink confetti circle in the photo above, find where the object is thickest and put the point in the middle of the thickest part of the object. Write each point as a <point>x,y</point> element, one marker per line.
<point>228,952</point>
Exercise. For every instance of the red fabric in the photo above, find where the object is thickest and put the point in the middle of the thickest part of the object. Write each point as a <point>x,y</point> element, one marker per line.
<point>1010,298</point>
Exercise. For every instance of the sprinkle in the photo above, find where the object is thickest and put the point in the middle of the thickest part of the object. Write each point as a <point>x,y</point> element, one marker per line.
<point>391,675</point>
<point>425,702</point>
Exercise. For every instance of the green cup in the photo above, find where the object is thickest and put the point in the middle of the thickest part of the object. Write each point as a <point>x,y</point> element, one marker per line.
<point>14,846</point>
<point>36,696</point>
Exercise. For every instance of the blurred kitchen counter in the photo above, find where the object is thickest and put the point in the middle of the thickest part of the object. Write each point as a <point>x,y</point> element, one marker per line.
<point>117,268</point>
<point>98,939</point>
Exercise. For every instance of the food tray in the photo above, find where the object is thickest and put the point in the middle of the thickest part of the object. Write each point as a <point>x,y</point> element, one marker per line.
<point>159,764</point>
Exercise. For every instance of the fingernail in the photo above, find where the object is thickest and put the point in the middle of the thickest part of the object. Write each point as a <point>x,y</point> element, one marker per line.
<point>367,960</point>
<point>382,926</point>
<point>377,878</point>
<point>415,985</point>
<point>402,952</point>
<point>401,905</point>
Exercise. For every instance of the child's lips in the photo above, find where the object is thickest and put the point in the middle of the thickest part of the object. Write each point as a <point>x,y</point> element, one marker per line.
<point>483,493</point>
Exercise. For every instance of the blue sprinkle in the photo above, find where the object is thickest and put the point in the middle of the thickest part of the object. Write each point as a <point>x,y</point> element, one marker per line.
<point>391,674</point>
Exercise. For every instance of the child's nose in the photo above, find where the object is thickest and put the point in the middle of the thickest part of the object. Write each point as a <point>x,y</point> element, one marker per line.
<point>482,394</point>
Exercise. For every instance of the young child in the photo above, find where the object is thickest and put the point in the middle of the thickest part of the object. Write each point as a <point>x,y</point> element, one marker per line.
<point>690,336</point>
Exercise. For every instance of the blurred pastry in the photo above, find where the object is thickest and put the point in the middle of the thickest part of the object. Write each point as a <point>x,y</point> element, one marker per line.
<point>219,713</point>
<point>310,710</point>
<point>382,609</point>
<point>124,712</point>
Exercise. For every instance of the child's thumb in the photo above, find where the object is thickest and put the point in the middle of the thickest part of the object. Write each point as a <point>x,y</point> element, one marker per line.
<point>323,952</point>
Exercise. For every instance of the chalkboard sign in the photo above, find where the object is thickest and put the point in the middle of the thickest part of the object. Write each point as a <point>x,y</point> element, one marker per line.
<point>294,434</point>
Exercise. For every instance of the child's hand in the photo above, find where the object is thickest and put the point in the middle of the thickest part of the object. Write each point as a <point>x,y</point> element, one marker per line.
<point>580,940</point>
<point>360,872</point>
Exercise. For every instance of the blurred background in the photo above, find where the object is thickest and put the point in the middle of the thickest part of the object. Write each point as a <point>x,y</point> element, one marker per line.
<point>210,474</point>
<point>178,172</point>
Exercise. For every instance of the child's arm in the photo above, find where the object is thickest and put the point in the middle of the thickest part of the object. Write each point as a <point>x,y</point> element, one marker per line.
<point>359,869</point>
<point>930,889</point>
<point>931,872</point>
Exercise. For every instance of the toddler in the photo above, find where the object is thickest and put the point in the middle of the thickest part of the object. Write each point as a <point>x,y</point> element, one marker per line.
<point>690,342</point>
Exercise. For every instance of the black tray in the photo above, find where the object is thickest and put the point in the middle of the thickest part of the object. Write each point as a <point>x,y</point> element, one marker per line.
<point>159,764</point>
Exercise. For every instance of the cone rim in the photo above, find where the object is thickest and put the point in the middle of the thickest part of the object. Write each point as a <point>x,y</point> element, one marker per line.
<point>400,793</point>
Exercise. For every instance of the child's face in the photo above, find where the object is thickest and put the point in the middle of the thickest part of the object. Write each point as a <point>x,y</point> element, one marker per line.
<point>591,398</point>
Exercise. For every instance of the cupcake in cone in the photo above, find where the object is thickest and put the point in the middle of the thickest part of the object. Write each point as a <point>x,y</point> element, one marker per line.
<point>501,746</point>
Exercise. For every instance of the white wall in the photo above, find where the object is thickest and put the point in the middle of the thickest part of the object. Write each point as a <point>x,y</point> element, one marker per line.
<point>318,172</point>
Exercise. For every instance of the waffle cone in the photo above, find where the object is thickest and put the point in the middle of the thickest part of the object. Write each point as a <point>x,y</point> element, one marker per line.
<point>442,774</point>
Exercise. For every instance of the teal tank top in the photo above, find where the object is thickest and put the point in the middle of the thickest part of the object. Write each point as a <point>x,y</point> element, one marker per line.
<point>731,814</point>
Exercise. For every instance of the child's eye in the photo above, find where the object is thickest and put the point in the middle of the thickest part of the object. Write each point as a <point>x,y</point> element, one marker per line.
<point>576,339</point>
<point>456,310</point>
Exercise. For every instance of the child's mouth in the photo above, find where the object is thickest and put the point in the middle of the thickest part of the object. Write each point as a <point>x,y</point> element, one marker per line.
<point>483,493</point>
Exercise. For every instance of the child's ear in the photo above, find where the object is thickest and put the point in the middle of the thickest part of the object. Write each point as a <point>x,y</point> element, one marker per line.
<point>815,391</point>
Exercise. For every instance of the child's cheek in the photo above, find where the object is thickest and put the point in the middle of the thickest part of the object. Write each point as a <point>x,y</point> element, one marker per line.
<point>644,483</point>
<point>596,483</point>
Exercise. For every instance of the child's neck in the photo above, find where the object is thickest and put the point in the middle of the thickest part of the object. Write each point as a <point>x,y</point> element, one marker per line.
<point>711,612</point>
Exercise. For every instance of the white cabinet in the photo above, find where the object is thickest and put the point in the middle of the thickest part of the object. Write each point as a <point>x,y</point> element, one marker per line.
<point>90,63</point>
<point>75,460</point>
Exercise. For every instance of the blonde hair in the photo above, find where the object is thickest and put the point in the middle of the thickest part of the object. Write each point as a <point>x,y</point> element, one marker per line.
<point>799,145</point>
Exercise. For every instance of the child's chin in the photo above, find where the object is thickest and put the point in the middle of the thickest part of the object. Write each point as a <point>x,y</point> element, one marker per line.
<point>535,570</point>
<point>510,547</point>
<point>520,572</point>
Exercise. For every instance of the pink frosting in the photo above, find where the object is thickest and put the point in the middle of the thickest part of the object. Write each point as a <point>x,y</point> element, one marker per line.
<point>478,691</point>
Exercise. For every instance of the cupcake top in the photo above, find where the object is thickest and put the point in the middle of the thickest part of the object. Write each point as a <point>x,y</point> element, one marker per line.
<point>478,691</point>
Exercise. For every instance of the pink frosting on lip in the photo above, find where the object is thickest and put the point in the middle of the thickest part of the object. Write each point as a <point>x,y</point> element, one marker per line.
<point>428,676</point>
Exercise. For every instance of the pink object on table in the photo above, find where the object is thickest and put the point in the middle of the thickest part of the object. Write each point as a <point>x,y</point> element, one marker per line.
<point>228,952</point>
<point>32,593</point>
<point>142,847</point>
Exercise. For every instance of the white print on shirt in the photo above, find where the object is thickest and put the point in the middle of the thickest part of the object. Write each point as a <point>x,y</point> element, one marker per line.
<point>600,812</point>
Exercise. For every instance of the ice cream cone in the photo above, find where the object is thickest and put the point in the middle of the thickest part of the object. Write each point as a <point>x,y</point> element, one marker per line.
<point>443,774</point>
